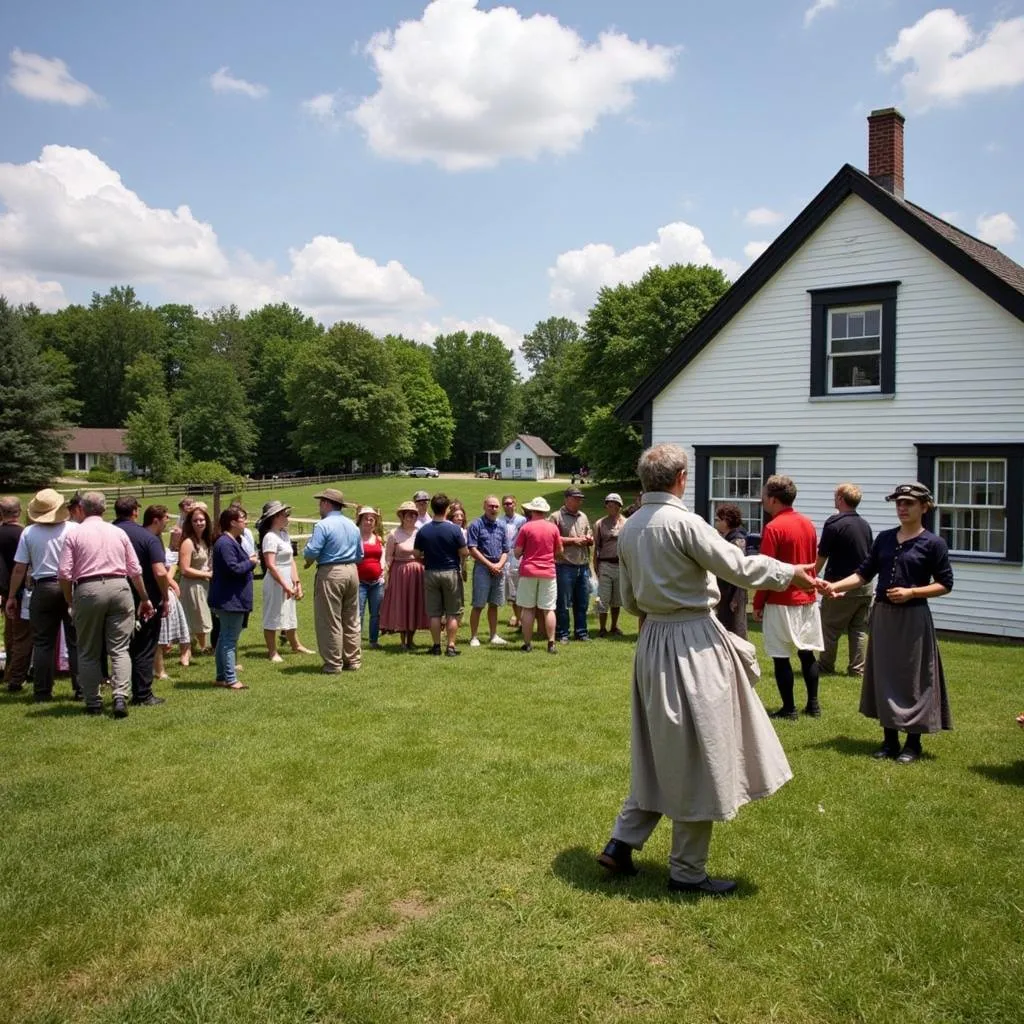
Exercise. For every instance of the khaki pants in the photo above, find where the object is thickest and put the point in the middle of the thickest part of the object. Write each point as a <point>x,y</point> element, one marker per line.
<point>691,840</point>
<point>104,612</point>
<point>847,614</point>
<point>336,614</point>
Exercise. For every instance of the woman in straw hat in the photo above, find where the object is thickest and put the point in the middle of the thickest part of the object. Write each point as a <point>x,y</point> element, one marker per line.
<point>281,584</point>
<point>38,554</point>
<point>538,545</point>
<point>371,571</point>
<point>904,687</point>
<point>403,610</point>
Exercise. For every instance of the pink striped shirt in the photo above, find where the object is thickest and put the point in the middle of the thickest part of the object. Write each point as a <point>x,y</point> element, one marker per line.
<point>97,548</point>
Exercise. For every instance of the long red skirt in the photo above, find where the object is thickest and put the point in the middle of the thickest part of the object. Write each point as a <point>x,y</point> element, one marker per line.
<point>403,609</point>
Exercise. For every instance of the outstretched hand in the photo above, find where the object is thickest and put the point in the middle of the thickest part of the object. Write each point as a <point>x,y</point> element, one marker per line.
<point>803,578</point>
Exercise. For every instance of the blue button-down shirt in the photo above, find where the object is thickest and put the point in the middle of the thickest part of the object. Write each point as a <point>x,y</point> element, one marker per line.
<point>488,536</point>
<point>335,541</point>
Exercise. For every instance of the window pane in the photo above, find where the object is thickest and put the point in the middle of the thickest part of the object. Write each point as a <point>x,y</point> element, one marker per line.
<point>738,480</point>
<point>873,321</point>
<point>844,346</point>
<point>855,325</point>
<point>838,325</point>
<point>856,371</point>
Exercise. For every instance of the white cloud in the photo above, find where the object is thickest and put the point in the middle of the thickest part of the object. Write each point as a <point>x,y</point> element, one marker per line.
<point>223,81</point>
<point>69,214</point>
<point>19,288</point>
<point>578,275</point>
<point>761,216</point>
<point>465,88</point>
<point>754,249</point>
<point>950,61</point>
<point>47,79</point>
<point>323,108</point>
<point>817,8</point>
<point>997,228</point>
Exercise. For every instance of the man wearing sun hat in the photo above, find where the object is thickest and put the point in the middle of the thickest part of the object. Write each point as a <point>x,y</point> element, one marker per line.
<point>573,568</point>
<point>422,502</point>
<point>336,547</point>
<point>606,563</point>
<point>38,554</point>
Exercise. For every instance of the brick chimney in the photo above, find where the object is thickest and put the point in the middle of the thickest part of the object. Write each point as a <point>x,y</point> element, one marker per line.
<point>885,149</point>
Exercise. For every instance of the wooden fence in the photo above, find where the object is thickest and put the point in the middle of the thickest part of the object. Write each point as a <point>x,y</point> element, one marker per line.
<point>142,490</point>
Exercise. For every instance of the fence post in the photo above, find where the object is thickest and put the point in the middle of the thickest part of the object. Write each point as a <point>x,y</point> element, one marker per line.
<point>216,503</point>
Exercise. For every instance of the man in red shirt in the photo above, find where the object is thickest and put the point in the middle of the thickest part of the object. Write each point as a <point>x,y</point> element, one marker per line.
<point>791,619</point>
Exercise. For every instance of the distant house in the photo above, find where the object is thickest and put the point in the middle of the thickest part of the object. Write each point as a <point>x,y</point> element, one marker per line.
<point>87,447</point>
<point>527,458</point>
<point>872,342</point>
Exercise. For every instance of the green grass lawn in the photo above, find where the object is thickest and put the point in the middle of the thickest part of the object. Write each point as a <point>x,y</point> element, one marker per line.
<point>416,841</point>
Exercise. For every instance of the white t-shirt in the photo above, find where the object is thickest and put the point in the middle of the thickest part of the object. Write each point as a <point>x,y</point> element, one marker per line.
<point>40,545</point>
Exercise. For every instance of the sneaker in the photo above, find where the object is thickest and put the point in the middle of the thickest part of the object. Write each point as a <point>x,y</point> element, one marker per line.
<point>498,641</point>
<point>787,714</point>
<point>475,641</point>
<point>120,707</point>
<point>706,887</point>
<point>563,639</point>
<point>582,636</point>
<point>151,701</point>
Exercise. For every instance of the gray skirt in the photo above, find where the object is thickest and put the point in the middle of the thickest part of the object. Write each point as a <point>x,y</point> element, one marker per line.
<point>904,686</point>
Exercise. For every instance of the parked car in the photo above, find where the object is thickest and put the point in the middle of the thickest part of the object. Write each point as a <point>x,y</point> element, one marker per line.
<point>491,472</point>
<point>423,471</point>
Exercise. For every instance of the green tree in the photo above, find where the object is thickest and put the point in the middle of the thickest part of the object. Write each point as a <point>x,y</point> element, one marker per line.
<point>33,406</point>
<point>215,421</point>
<point>550,405</point>
<point>144,378</point>
<point>346,401</point>
<point>431,424</point>
<point>479,376</point>
<point>629,331</point>
<point>148,437</point>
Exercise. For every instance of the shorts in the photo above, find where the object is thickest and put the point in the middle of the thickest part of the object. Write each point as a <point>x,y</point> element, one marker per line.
<point>791,627</point>
<point>608,592</point>
<point>441,593</point>
<point>537,592</point>
<point>487,588</point>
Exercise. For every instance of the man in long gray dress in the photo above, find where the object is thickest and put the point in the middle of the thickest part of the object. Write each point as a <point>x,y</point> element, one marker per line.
<point>702,743</point>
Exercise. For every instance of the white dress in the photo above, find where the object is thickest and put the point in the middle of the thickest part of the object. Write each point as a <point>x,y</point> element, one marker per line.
<point>278,611</point>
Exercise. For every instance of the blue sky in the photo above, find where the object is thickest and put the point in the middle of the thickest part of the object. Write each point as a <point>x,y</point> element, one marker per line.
<point>425,167</point>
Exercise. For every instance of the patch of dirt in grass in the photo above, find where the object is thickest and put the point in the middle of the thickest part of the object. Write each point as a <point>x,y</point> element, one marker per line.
<point>413,907</point>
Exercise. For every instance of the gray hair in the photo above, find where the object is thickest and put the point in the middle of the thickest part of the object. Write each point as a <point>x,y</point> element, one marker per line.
<point>94,503</point>
<point>10,506</point>
<point>660,465</point>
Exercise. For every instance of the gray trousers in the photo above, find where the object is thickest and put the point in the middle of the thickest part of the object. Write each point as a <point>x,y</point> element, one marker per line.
<point>336,616</point>
<point>691,840</point>
<point>104,612</point>
<point>847,614</point>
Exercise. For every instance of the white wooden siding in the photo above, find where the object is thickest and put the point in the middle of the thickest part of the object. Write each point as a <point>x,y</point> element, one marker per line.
<point>959,379</point>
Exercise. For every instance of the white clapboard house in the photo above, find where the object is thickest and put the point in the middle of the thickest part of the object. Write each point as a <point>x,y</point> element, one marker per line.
<point>872,342</point>
<point>526,457</point>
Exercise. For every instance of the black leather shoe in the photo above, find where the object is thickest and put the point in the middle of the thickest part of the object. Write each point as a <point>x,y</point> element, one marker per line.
<point>787,714</point>
<point>813,710</point>
<point>908,755</point>
<point>617,857</point>
<point>94,709</point>
<point>149,702</point>
<point>436,650</point>
<point>884,752</point>
<point>708,887</point>
<point>120,708</point>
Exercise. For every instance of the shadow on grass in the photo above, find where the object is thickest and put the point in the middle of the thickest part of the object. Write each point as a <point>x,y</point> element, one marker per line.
<point>849,745</point>
<point>68,709</point>
<point>578,867</point>
<point>1005,774</point>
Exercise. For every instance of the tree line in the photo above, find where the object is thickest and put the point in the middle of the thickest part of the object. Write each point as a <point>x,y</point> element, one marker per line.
<point>274,391</point>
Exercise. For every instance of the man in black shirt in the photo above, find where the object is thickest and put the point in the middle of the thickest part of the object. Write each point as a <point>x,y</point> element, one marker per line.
<point>845,543</point>
<point>17,631</point>
<point>150,551</point>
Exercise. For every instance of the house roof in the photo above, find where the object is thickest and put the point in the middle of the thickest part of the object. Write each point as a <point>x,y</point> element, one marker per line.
<point>989,270</point>
<point>96,440</point>
<point>537,445</point>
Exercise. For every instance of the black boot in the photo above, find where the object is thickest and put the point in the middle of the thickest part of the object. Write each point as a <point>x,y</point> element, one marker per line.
<point>890,747</point>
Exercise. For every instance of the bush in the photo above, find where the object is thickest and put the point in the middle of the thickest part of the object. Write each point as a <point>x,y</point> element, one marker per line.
<point>98,475</point>
<point>205,473</point>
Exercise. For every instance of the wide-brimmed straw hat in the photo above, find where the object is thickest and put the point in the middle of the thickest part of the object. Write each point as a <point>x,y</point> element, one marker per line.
<point>271,509</point>
<point>366,510</point>
<point>407,506</point>
<point>537,505</point>
<point>617,498</point>
<point>48,506</point>
<point>331,494</point>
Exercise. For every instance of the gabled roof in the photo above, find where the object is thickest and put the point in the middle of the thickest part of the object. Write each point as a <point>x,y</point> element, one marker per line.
<point>536,445</point>
<point>96,440</point>
<point>989,270</point>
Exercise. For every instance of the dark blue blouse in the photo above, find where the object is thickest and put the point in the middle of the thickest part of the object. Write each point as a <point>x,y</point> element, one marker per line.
<point>231,586</point>
<point>914,563</point>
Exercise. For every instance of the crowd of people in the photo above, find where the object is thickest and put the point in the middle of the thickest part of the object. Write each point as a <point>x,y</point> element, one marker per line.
<point>703,744</point>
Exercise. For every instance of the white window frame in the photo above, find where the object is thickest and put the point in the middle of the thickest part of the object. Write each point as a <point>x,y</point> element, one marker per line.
<point>968,504</point>
<point>753,519</point>
<point>875,350</point>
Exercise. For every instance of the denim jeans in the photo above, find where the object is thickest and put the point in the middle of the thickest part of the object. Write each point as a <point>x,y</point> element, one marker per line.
<point>372,594</point>
<point>573,591</point>
<point>227,644</point>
